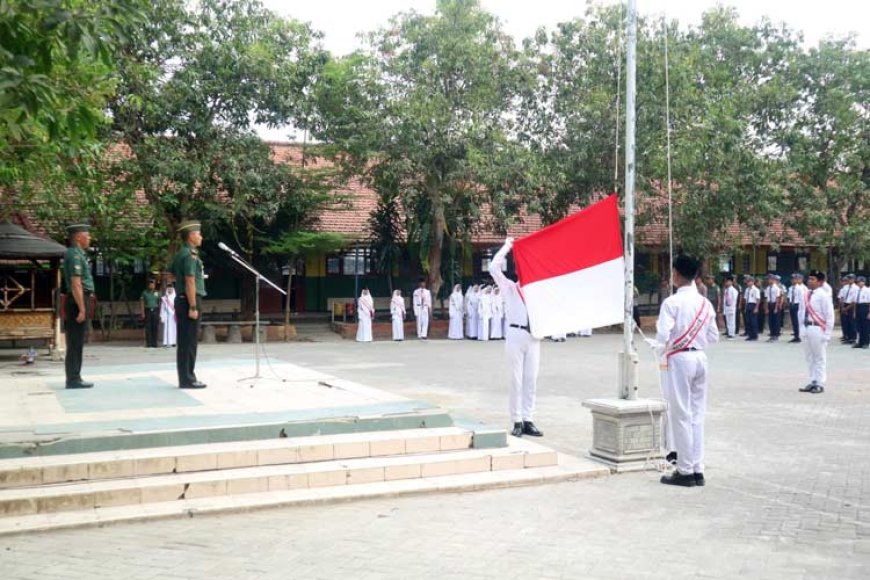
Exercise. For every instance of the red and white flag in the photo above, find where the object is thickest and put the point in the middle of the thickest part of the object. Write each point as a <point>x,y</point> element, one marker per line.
<point>572,273</point>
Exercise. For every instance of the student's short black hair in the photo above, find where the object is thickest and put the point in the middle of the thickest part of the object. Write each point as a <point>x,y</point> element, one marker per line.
<point>818,275</point>
<point>687,266</point>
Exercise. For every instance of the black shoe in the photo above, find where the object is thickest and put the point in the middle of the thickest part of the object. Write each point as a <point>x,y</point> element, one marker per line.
<point>518,430</point>
<point>79,385</point>
<point>857,346</point>
<point>865,346</point>
<point>193,385</point>
<point>671,457</point>
<point>794,340</point>
<point>808,388</point>
<point>817,389</point>
<point>677,478</point>
<point>530,429</point>
<point>699,480</point>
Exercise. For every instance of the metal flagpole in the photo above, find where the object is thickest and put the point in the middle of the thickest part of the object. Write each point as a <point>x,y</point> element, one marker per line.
<point>628,383</point>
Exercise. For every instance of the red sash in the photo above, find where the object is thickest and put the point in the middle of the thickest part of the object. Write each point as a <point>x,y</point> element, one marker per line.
<point>815,315</point>
<point>698,323</point>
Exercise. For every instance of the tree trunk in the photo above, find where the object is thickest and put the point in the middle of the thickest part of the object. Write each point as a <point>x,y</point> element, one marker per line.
<point>436,240</point>
<point>290,263</point>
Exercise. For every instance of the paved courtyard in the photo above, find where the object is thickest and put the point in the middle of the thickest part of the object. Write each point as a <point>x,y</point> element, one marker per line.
<point>788,493</point>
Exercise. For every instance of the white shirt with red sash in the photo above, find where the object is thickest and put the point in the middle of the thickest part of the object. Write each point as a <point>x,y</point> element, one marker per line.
<point>818,310</point>
<point>686,321</point>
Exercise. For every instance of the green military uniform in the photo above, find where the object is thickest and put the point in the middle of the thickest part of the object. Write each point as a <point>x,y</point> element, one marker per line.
<point>187,263</point>
<point>151,303</point>
<point>76,265</point>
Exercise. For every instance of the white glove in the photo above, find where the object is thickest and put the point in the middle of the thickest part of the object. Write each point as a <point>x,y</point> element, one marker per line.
<point>657,347</point>
<point>509,242</point>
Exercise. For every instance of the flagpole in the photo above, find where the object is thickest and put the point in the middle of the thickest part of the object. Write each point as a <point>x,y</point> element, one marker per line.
<point>628,383</point>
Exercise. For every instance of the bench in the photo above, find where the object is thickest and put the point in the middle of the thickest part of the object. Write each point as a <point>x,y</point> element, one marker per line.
<point>234,329</point>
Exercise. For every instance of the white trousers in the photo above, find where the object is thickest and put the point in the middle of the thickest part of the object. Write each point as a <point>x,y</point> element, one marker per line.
<point>523,357</point>
<point>816,353</point>
<point>398,328</point>
<point>687,401</point>
<point>423,323</point>
<point>472,325</point>
<point>731,322</point>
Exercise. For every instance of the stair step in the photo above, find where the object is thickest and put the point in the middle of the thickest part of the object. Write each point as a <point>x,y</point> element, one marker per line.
<point>567,469</point>
<point>62,497</point>
<point>53,469</point>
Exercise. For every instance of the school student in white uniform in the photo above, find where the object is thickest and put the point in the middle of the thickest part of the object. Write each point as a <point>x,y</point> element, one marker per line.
<point>796,294</point>
<point>862,314</point>
<point>484,313</point>
<point>496,326</point>
<point>397,312</point>
<point>685,328</point>
<point>456,308</point>
<point>523,350</point>
<point>752,303</point>
<point>422,309</point>
<point>817,316</point>
<point>471,301</point>
<point>167,316</point>
<point>851,302</point>
<point>730,297</point>
<point>365,314</point>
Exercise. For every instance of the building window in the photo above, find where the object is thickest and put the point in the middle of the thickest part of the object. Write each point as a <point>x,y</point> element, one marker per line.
<point>803,263</point>
<point>771,262</point>
<point>333,265</point>
<point>724,263</point>
<point>354,263</point>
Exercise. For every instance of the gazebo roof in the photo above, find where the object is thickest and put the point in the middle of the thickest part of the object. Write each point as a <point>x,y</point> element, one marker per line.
<point>16,243</point>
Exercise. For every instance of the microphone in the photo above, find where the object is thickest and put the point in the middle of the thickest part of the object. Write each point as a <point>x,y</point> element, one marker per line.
<point>227,249</point>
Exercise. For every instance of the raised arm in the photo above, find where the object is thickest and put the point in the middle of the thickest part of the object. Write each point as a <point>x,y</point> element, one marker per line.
<point>497,262</point>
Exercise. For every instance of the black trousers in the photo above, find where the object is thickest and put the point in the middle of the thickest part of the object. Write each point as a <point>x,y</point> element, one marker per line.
<point>774,322</point>
<point>188,337</point>
<point>75,341</point>
<point>152,327</point>
<point>863,324</point>
<point>848,322</point>
<point>795,325</point>
<point>751,318</point>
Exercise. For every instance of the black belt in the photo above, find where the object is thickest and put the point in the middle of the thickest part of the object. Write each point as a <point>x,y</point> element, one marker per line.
<point>811,324</point>
<point>520,326</point>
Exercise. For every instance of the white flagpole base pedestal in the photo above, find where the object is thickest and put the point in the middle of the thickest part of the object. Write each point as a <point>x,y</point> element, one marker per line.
<point>626,434</point>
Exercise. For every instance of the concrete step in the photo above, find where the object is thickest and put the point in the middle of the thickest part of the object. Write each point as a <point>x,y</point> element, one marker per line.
<point>54,498</point>
<point>54,469</point>
<point>566,468</point>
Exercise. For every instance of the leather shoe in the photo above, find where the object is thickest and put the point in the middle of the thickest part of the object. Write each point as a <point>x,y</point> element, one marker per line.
<point>699,480</point>
<point>530,429</point>
<point>808,388</point>
<point>794,340</point>
<point>817,389</point>
<point>671,457</point>
<point>79,385</point>
<point>677,478</point>
<point>193,385</point>
<point>518,430</point>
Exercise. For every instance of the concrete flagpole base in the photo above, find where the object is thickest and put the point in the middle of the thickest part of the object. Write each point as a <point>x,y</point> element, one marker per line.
<point>626,434</point>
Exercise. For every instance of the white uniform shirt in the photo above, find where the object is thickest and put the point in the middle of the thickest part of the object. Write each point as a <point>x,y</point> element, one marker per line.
<point>852,294</point>
<point>796,294</point>
<point>864,295</point>
<point>841,295</point>
<point>729,299</point>
<point>422,297</point>
<point>515,306</point>
<point>679,313</point>
<point>752,295</point>
<point>772,293</point>
<point>456,302</point>
<point>823,306</point>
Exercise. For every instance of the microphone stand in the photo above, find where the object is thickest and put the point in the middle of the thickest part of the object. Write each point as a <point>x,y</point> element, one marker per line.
<point>241,262</point>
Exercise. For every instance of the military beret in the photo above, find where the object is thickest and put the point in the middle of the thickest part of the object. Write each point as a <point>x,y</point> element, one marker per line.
<point>76,228</point>
<point>798,275</point>
<point>189,226</point>
<point>850,276</point>
<point>862,279</point>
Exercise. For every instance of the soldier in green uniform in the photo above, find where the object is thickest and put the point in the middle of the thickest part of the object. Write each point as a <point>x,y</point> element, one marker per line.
<point>149,311</point>
<point>190,283</point>
<point>79,287</point>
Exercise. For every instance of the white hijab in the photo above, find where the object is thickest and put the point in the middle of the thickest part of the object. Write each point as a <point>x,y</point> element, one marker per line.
<point>397,299</point>
<point>366,299</point>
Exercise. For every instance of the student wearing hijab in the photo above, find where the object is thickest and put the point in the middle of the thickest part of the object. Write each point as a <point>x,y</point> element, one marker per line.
<point>167,316</point>
<point>456,308</point>
<point>496,326</point>
<point>484,310</point>
<point>471,311</point>
<point>397,312</point>
<point>365,315</point>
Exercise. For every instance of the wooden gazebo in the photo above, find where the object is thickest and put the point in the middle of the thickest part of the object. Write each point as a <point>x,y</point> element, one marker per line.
<point>29,280</point>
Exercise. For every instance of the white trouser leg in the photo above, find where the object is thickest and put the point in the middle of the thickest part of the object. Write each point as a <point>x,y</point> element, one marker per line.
<point>515,350</point>
<point>816,354</point>
<point>423,324</point>
<point>731,322</point>
<point>669,424</point>
<point>531,364</point>
<point>485,330</point>
<point>687,379</point>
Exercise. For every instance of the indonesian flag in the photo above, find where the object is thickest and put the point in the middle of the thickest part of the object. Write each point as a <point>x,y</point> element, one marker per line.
<point>572,273</point>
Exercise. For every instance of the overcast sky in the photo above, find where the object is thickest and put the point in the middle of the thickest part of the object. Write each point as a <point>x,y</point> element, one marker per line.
<point>342,20</point>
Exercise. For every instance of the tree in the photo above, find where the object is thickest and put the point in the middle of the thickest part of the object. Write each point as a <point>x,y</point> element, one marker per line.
<point>428,103</point>
<point>825,141</point>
